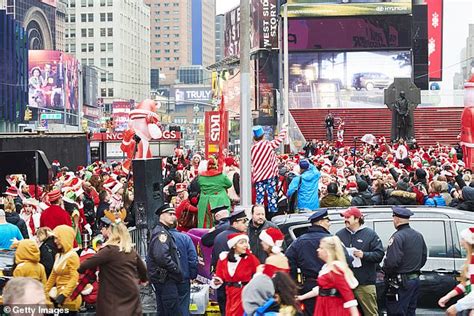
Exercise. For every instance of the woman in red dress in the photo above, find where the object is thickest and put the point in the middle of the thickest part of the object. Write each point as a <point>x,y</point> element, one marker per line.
<point>272,242</point>
<point>234,270</point>
<point>335,282</point>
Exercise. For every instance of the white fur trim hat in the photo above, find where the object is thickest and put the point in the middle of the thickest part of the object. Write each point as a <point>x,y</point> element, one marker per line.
<point>233,239</point>
<point>273,237</point>
<point>468,235</point>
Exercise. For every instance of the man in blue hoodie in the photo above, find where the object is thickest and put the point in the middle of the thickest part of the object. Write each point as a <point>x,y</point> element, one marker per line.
<point>189,264</point>
<point>306,186</point>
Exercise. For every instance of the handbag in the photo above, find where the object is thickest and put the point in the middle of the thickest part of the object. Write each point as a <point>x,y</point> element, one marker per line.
<point>293,202</point>
<point>188,219</point>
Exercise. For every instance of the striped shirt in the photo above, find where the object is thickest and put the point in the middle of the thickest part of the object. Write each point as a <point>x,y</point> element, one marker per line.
<point>467,288</point>
<point>264,162</point>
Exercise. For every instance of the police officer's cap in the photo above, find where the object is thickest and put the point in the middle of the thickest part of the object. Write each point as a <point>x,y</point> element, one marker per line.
<point>401,212</point>
<point>318,215</point>
<point>164,208</point>
<point>219,208</point>
<point>237,214</point>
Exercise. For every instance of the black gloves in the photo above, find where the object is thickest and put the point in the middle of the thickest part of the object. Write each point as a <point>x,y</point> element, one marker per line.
<point>60,299</point>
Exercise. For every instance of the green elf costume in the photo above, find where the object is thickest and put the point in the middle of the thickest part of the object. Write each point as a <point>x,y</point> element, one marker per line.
<point>213,184</point>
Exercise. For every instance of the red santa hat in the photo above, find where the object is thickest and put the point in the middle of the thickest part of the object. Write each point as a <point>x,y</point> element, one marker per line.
<point>468,235</point>
<point>11,191</point>
<point>230,161</point>
<point>145,109</point>
<point>233,239</point>
<point>274,238</point>
<point>180,187</point>
<point>56,163</point>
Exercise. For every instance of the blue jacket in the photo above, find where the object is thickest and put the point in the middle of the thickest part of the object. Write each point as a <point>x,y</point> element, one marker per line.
<point>187,255</point>
<point>436,201</point>
<point>308,193</point>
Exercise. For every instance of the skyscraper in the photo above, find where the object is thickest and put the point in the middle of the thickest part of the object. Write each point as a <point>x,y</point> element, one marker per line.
<point>220,29</point>
<point>114,38</point>
<point>182,34</point>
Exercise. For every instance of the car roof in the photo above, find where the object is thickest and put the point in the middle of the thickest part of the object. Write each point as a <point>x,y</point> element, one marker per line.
<point>381,212</point>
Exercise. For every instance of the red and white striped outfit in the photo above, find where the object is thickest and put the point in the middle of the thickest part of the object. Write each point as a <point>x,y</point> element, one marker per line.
<point>467,302</point>
<point>264,159</point>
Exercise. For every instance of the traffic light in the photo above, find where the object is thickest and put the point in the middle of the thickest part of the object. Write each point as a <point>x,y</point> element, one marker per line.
<point>28,114</point>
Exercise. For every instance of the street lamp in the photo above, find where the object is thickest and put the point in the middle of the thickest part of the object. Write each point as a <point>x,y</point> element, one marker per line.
<point>196,110</point>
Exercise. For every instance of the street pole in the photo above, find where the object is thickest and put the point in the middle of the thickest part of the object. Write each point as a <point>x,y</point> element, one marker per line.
<point>245,108</point>
<point>80,100</point>
<point>286,72</point>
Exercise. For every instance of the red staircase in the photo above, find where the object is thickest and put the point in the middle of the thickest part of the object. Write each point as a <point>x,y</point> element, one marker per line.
<point>432,124</point>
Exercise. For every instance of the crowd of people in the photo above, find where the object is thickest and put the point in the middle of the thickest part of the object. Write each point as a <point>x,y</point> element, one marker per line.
<point>72,236</point>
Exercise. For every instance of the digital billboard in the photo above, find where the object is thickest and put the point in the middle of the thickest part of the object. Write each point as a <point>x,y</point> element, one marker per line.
<point>53,80</point>
<point>232,33</point>
<point>313,8</point>
<point>350,33</point>
<point>435,39</point>
<point>120,115</point>
<point>339,79</point>
<point>264,24</point>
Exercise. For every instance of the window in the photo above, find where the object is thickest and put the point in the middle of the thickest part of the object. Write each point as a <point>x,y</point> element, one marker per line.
<point>72,34</point>
<point>157,43</point>
<point>172,68</point>
<point>176,35</point>
<point>90,32</point>
<point>158,58</point>
<point>459,252</point>
<point>110,62</point>
<point>90,61</point>
<point>157,51</point>
<point>110,76</point>
<point>436,242</point>
<point>83,32</point>
<point>83,17</point>
<point>175,50</point>
<point>167,59</point>
<point>167,4</point>
<point>83,3</point>
<point>90,17</point>
<point>103,31</point>
<point>176,4</point>
<point>110,31</point>
<point>84,47</point>
<point>103,47</point>
<point>109,17</point>
<point>176,58</point>
<point>91,47</point>
<point>166,43</point>
<point>90,3</point>
<point>102,17</point>
<point>72,48</point>
<point>102,3</point>
<point>109,3</point>
<point>157,35</point>
<point>72,3</point>
<point>198,120</point>
<point>167,50</point>
<point>180,120</point>
<point>103,77</point>
<point>165,35</point>
<point>176,43</point>
<point>103,92</point>
<point>111,92</point>
<point>84,61</point>
<point>103,62</point>
<point>110,47</point>
<point>72,18</point>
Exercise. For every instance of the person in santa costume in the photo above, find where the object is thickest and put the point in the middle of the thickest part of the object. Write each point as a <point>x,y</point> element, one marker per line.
<point>213,183</point>
<point>335,282</point>
<point>233,173</point>
<point>55,215</point>
<point>272,243</point>
<point>31,214</point>
<point>194,166</point>
<point>234,270</point>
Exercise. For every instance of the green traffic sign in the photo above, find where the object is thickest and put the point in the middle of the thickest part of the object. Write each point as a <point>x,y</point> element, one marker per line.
<point>51,116</point>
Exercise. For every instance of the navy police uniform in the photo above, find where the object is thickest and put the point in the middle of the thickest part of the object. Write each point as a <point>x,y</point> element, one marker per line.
<point>302,255</point>
<point>406,255</point>
<point>164,267</point>
<point>208,238</point>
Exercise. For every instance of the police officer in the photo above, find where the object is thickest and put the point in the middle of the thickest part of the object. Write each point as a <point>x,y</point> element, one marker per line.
<point>302,255</point>
<point>163,263</point>
<point>221,223</point>
<point>406,255</point>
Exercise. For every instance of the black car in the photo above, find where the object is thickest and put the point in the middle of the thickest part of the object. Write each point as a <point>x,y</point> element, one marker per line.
<point>439,226</point>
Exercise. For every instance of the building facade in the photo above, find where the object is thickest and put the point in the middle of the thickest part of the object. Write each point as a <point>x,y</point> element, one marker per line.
<point>220,30</point>
<point>14,70</point>
<point>182,34</point>
<point>113,37</point>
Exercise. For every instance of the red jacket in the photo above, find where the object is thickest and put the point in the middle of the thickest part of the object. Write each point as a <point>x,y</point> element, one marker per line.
<point>54,216</point>
<point>185,205</point>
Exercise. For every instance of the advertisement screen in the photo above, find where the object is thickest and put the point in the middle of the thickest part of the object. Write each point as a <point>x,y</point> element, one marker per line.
<point>308,8</point>
<point>53,80</point>
<point>346,79</point>
<point>120,115</point>
<point>435,39</point>
<point>232,33</point>
<point>354,33</point>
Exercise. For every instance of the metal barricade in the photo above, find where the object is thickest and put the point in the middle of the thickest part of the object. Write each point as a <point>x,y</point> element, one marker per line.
<point>140,240</point>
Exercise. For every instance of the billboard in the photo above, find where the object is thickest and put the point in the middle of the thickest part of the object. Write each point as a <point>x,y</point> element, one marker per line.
<point>232,33</point>
<point>344,79</point>
<point>349,33</point>
<point>213,132</point>
<point>435,39</point>
<point>120,113</point>
<point>314,8</point>
<point>264,24</point>
<point>202,94</point>
<point>53,81</point>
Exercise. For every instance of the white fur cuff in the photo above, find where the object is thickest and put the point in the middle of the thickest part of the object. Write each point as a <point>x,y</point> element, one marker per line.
<point>350,304</point>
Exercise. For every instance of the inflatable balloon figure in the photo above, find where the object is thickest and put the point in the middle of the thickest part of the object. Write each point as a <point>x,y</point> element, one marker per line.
<point>143,126</point>
<point>467,124</point>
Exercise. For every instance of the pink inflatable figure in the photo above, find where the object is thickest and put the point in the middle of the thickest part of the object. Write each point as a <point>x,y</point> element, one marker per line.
<point>467,124</point>
<point>144,123</point>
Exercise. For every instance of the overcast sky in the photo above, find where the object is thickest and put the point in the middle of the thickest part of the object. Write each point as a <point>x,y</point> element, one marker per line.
<point>222,6</point>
